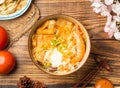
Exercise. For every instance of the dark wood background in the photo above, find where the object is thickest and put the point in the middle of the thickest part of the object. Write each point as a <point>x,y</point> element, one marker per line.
<point>101,45</point>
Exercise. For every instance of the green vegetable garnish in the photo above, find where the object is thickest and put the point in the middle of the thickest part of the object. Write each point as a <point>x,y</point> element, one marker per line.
<point>55,43</point>
<point>62,46</point>
<point>15,0</point>
<point>44,47</point>
<point>48,64</point>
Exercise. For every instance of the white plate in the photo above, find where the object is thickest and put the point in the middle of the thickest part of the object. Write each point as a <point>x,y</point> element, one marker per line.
<point>16,14</point>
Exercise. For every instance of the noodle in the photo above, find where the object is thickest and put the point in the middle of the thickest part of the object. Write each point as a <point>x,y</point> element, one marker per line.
<point>58,44</point>
<point>11,6</point>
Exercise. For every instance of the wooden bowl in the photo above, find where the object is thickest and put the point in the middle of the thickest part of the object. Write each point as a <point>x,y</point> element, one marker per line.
<point>71,19</point>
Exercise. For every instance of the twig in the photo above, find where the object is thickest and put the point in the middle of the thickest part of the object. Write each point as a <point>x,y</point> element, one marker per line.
<point>102,63</point>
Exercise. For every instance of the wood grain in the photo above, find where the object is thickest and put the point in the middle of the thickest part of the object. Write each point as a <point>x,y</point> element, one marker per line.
<point>81,10</point>
<point>101,45</point>
<point>26,67</point>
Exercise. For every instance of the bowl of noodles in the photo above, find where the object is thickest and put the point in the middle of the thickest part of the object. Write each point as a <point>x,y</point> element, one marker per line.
<point>59,44</point>
<point>10,9</point>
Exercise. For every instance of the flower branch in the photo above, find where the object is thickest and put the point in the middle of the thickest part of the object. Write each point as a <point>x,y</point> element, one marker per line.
<point>111,10</point>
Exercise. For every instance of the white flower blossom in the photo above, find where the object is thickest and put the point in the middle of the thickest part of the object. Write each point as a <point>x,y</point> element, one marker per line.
<point>108,23</point>
<point>110,33</point>
<point>2,1</point>
<point>96,7</point>
<point>91,0</point>
<point>109,2</point>
<point>104,11</point>
<point>113,26</point>
<point>116,8</point>
<point>99,7</point>
<point>109,19</point>
<point>117,18</point>
<point>97,4</point>
<point>117,35</point>
<point>105,8</point>
<point>107,28</point>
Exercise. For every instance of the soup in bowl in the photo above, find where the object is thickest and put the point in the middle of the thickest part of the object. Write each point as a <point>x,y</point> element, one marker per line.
<point>59,44</point>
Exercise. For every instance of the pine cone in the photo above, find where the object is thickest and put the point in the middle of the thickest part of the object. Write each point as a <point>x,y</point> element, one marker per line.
<point>38,84</point>
<point>25,82</point>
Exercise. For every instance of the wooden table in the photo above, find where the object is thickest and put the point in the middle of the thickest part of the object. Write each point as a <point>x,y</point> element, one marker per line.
<point>101,45</point>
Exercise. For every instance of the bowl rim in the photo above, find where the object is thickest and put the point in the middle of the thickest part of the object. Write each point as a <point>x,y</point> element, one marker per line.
<point>17,13</point>
<point>72,19</point>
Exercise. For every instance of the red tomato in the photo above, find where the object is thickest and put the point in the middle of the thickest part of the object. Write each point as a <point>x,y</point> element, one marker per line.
<point>7,62</point>
<point>3,38</point>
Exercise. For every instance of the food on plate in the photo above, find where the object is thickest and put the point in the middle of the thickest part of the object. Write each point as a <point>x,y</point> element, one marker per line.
<point>2,1</point>
<point>3,38</point>
<point>58,45</point>
<point>7,62</point>
<point>103,83</point>
<point>10,6</point>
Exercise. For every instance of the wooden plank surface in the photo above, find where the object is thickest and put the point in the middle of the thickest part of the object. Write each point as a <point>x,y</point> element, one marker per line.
<point>101,44</point>
<point>80,9</point>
